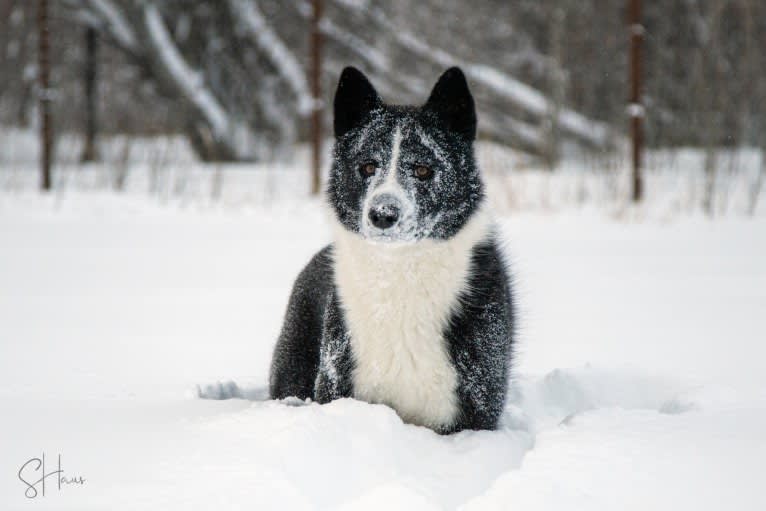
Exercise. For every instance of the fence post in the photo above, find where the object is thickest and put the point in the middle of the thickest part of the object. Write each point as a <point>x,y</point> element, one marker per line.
<point>43,60</point>
<point>636,108</point>
<point>90,76</point>
<point>316,92</point>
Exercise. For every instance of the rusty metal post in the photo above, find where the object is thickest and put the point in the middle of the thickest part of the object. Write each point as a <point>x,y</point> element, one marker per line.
<point>90,77</point>
<point>636,108</point>
<point>316,92</point>
<point>43,62</point>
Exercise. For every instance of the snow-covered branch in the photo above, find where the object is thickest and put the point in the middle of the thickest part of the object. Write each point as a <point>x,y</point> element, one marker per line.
<point>116,23</point>
<point>257,29</point>
<point>246,98</point>
<point>109,19</point>
<point>369,54</point>
<point>237,138</point>
<point>504,86</point>
<point>532,101</point>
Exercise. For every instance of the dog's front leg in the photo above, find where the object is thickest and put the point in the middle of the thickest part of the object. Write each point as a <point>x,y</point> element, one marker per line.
<point>335,363</point>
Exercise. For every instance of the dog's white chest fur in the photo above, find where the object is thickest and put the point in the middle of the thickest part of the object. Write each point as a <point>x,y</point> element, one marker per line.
<point>397,301</point>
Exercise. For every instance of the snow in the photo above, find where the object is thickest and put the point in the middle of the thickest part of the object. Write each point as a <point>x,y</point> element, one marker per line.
<point>167,168</point>
<point>136,331</point>
<point>616,459</point>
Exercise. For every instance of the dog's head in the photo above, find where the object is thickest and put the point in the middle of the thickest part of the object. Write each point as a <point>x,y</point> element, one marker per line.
<point>401,173</point>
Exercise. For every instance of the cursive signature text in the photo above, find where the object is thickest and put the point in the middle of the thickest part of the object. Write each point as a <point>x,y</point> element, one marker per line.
<point>33,474</point>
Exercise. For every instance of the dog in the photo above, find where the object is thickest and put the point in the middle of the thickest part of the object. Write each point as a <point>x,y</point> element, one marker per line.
<point>411,305</point>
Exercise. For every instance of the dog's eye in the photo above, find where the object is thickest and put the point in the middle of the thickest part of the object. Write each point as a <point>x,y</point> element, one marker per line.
<point>368,169</point>
<point>423,172</point>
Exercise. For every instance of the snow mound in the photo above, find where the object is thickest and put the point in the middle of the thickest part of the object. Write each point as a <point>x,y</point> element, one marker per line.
<point>418,466</point>
<point>555,397</point>
<point>565,393</point>
<point>311,446</point>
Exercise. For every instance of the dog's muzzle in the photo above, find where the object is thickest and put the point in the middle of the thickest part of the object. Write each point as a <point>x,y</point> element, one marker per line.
<point>385,210</point>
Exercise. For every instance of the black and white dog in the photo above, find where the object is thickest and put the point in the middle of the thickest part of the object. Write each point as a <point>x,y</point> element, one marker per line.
<point>411,305</point>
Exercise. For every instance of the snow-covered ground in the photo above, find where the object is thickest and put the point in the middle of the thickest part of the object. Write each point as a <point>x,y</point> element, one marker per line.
<point>165,170</point>
<point>127,316</point>
<point>640,379</point>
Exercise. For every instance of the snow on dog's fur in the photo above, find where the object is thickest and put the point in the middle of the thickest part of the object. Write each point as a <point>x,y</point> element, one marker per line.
<point>411,304</point>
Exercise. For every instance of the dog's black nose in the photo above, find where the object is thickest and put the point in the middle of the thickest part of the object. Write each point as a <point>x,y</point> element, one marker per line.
<point>384,212</point>
<point>383,218</point>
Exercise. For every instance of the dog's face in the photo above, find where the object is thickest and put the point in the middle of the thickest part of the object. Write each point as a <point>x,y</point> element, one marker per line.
<point>403,174</point>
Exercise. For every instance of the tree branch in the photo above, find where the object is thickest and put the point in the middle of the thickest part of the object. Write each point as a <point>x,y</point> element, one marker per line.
<point>518,94</point>
<point>257,29</point>
<point>239,141</point>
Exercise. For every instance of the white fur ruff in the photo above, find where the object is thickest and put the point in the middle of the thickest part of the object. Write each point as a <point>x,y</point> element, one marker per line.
<point>397,300</point>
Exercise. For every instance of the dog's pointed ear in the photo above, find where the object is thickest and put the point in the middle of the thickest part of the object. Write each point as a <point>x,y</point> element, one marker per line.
<point>452,103</point>
<point>355,98</point>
